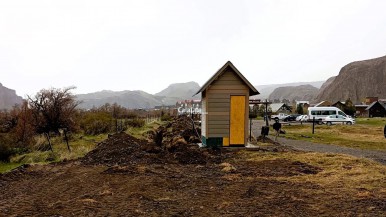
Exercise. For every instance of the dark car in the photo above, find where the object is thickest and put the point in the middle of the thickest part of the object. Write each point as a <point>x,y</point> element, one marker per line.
<point>291,117</point>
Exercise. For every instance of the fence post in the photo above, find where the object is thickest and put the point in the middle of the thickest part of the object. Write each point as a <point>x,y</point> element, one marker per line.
<point>384,131</point>
<point>313,125</point>
<point>250,129</point>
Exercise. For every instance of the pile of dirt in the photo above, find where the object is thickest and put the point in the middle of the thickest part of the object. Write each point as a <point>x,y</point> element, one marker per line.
<point>181,126</point>
<point>169,146</point>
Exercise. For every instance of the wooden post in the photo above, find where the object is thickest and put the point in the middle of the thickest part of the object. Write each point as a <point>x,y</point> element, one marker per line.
<point>66,138</point>
<point>250,129</point>
<point>384,131</point>
<point>313,125</point>
<point>266,113</point>
<point>49,141</point>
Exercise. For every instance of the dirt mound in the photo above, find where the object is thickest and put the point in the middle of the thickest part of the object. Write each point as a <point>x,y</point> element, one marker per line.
<point>171,143</point>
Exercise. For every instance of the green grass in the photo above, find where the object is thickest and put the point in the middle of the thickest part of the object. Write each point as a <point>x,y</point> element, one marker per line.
<point>381,122</point>
<point>5,167</point>
<point>80,145</point>
<point>366,134</point>
<point>141,131</point>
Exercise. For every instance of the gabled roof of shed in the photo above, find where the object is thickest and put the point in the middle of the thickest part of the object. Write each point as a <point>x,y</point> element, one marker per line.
<point>372,104</point>
<point>252,89</point>
<point>276,106</point>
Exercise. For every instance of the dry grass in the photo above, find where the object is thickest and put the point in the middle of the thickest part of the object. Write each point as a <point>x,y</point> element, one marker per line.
<point>341,172</point>
<point>365,135</point>
<point>79,147</point>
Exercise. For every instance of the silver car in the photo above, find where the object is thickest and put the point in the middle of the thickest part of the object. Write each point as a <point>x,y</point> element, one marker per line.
<point>334,119</point>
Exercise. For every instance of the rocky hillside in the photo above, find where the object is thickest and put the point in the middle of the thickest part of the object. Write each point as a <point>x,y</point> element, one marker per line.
<point>325,84</point>
<point>8,98</point>
<point>180,90</point>
<point>302,92</point>
<point>266,90</point>
<point>140,99</point>
<point>358,80</point>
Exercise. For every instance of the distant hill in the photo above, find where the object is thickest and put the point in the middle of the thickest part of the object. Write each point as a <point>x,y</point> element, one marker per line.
<point>180,90</point>
<point>301,92</point>
<point>138,98</point>
<point>358,80</point>
<point>8,98</point>
<point>325,84</point>
<point>266,90</point>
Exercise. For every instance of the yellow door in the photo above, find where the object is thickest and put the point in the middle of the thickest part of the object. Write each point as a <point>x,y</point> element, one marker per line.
<point>237,122</point>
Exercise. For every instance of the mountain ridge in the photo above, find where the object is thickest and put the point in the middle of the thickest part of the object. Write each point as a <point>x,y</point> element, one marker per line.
<point>140,99</point>
<point>8,97</point>
<point>357,80</point>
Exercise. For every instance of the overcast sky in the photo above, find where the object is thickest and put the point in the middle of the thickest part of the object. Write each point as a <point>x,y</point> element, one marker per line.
<point>147,45</point>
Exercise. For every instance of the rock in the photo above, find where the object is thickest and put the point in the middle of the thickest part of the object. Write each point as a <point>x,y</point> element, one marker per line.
<point>356,81</point>
<point>302,92</point>
<point>8,98</point>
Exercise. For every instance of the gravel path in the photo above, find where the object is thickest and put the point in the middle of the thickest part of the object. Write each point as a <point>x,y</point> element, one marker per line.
<point>379,156</point>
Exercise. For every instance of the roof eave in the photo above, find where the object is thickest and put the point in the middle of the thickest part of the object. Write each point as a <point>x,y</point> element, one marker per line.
<point>252,89</point>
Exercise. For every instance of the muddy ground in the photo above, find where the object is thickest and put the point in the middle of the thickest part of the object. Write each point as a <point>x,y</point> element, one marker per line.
<point>125,176</point>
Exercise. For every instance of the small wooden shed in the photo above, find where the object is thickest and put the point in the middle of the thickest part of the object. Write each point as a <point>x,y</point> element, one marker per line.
<point>376,109</point>
<point>225,108</point>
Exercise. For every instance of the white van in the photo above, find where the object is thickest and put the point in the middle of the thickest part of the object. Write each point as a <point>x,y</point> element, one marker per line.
<point>320,113</point>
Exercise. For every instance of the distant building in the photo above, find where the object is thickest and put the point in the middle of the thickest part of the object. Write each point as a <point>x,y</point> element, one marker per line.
<point>340,105</point>
<point>280,108</point>
<point>376,109</point>
<point>164,107</point>
<point>188,107</point>
<point>323,104</point>
<point>305,104</point>
<point>370,99</point>
<point>302,103</point>
<point>360,110</point>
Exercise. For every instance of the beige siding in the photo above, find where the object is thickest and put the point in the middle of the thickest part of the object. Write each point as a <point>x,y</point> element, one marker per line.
<point>203,117</point>
<point>218,102</point>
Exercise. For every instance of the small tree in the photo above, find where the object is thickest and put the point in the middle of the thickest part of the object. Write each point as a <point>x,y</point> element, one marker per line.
<point>24,131</point>
<point>349,108</point>
<point>299,109</point>
<point>53,110</point>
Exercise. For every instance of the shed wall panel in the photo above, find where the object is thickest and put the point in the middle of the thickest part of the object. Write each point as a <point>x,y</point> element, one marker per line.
<point>219,100</point>
<point>218,117</point>
<point>228,82</point>
<point>234,92</point>
<point>203,117</point>
<point>229,87</point>
<point>217,104</point>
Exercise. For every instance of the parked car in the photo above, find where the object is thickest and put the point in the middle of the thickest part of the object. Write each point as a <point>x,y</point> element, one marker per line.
<point>291,117</point>
<point>302,118</point>
<point>334,119</point>
<point>279,116</point>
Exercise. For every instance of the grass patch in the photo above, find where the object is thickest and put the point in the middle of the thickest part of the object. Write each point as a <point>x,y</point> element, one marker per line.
<point>139,132</point>
<point>367,134</point>
<point>338,171</point>
<point>381,122</point>
<point>5,167</point>
<point>79,145</point>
